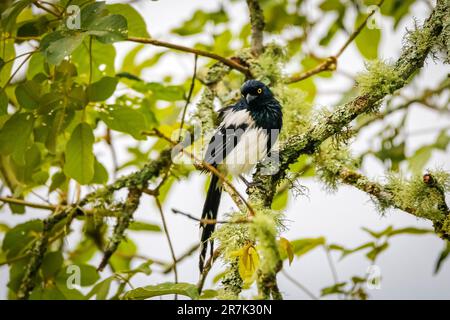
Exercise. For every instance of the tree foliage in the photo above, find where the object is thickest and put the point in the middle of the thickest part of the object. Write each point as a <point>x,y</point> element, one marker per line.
<point>63,94</point>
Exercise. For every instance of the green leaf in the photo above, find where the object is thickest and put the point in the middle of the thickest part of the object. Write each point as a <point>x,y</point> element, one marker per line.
<point>142,268</point>
<point>442,257</point>
<point>69,293</point>
<point>3,102</point>
<point>368,40</point>
<point>280,201</point>
<point>185,289</point>
<point>79,163</point>
<point>28,94</point>
<point>84,251</point>
<point>303,246</point>
<point>121,260</point>
<point>88,275</point>
<point>34,27</point>
<point>60,44</point>
<point>101,289</point>
<point>18,238</point>
<point>15,134</point>
<point>36,65</point>
<point>144,226</point>
<point>51,264</point>
<point>103,56</point>
<point>57,124</point>
<point>91,12</point>
<point>378,235</point>
<point>160,91</point>
<point>8,52</point>
<point>51,292</point>
<point>9,16</point>
<point>100,173</point>
<point>109,29</point>
<point>334,289</point>
<point>124,119</point>
<point>136,24</point>
<point>58,179</point>
<point>442,140</point>
<point>198,20</point>
<point>346,252</point>
<point>373,254</point>
<point>209,294</point>
<point>419,159</point>
<point>4,227</point>
<point>102,89</point>
<point>410,230</point>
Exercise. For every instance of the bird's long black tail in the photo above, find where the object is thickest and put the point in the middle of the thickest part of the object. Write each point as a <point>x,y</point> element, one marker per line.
<point>210,209</point>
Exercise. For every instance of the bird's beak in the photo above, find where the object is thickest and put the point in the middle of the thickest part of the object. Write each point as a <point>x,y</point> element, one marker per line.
<point>249,97</point>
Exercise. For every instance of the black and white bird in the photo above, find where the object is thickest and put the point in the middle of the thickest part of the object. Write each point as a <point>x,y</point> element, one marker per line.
<point>245,136</point>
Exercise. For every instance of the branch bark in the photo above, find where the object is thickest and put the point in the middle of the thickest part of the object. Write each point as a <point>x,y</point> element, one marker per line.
<point>257,25</point>
<point>411,59</point>
<point>228,62</point>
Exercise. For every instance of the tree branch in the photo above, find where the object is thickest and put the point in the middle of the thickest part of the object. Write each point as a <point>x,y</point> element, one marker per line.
<point>330,63</point>
<point>228,62</point>
<point>38,251</point>
<point>411,59</point>
<point>257,25</point>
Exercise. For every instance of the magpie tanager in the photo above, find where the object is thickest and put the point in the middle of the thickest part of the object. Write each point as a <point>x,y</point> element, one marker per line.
<point>246,134</point>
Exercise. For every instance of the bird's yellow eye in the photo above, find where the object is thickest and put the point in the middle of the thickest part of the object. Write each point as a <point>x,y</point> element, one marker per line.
<point>259,90</point>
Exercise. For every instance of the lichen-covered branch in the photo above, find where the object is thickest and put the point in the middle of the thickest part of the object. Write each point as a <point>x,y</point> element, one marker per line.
<point>380,80</point>
<point>257,25</point>
<point>123,221</point>
<point>422,197</point>
<point>38,251</point>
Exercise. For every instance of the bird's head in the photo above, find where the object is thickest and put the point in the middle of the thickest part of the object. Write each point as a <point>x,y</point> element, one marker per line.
<point>255,92</point>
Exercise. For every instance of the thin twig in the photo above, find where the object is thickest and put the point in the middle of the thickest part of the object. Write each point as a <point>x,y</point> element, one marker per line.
<point>330,63</point>
<point>166,231</point>
<point>299,285</point>
<point>188,253</point>
<point>189,96</point>
<point>331,264</point>
<point>208,221</point>
<point>37,4</point>
<point>207,267</point>
<point>18,68</point>
<point>109,141</point>
<point>357,31</point>
<point>90,59</point>
<point>228,62</point>
<point>28,204</point>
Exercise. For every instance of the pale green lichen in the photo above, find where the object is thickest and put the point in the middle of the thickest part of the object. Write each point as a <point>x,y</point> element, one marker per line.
<point>232,283</point>
<point>231,238</point>
<point>268,66</point>
<point>295,108</point>
<point>379,80</point>
<point>423,199</point>
<point>264,229</point>
<point>329,162</point>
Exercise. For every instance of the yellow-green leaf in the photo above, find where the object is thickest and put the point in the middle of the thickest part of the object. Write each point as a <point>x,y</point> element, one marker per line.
<point>79,154</point>
<point>286,249</point>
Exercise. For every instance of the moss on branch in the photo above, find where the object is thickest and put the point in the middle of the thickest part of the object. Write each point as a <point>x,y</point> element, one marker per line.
<point>375,88</point>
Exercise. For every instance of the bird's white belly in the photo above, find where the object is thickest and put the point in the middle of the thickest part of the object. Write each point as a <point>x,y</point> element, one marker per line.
<point>250,149</point>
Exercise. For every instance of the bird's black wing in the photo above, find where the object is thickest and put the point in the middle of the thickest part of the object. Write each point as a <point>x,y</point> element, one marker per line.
<point>225,138</point>
<point>223,142</point>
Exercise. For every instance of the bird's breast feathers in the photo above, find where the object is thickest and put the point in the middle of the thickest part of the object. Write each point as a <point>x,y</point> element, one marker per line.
<point>250,148</point>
